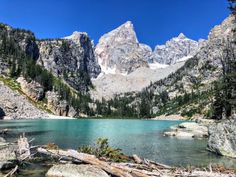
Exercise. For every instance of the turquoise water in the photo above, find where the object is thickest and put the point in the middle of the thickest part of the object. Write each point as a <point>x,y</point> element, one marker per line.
<point>142,137</point>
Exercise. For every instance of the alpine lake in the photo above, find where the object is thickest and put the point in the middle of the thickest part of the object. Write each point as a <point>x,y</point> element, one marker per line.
<point>142,137</point>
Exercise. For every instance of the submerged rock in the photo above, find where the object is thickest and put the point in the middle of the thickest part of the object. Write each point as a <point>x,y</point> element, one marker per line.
<point>72,170</point>
<point>222,138</point>
<point>188,130</point>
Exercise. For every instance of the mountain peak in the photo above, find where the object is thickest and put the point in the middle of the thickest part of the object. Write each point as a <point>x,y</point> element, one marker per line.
<point>181,35</point>
<point>119,50</point>
<point>76,35</point>
<point>127,26</point>
<point>176,49</point>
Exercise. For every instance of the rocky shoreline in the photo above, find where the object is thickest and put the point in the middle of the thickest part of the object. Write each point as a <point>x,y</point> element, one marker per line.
<point>188,130</point>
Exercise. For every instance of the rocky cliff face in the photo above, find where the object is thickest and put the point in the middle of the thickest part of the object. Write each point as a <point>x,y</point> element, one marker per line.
<point>120,52</point>
<point>71,58</point>
<point>174,50</point>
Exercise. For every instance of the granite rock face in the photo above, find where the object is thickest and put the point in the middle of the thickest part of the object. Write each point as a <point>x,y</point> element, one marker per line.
<point>222,138</point>
<point>71,59</point>
<point>32,89</point>
<point>174,50</point>
<point>59,107</point>
<point>72,170</point>
<point>119,52</point>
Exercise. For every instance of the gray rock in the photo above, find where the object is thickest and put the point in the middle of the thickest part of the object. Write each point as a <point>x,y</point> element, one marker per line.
<point>59,107</point>
<point>108,85</point>
<point>32,89</point>
<point>71,59</point>
<point>7,156</point>
<point>72,170</point>
<point>120,52</point>
<point>2,140</point>
<point>188,130</point>
<point>174,50</point>
<point>222,139</point>
<point>17,106</point>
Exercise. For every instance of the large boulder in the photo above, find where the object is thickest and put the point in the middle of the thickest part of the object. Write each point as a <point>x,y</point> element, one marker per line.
<point>72,170</point>
<point>7,155</point>
<point>222,139</point>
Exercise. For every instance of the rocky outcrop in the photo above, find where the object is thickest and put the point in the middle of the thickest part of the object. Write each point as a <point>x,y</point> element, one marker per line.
<point>72,170</point>
<point>7,155</point>
<point>32,89</point>
<point>16,106</point>
<point>178,48</point>
<point>222,139</point>
<point>119,52</point>
<point>71,59</point>
<point>59,107</point>
<point>188,130</point>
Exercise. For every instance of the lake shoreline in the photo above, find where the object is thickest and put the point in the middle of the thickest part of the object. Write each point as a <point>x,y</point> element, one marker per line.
<point>169,117</point>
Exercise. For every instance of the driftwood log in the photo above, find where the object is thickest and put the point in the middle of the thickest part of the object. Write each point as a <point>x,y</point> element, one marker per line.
<point>23,148</point>
<point>137,159</point>
<point>12,172</point>
<point>116,169</point>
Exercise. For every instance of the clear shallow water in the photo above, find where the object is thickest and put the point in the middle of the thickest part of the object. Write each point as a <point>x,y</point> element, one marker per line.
<point>142,137</point>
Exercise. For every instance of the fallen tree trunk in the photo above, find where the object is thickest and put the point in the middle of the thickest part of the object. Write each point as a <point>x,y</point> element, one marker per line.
<point>112,168</point>
<point>137,159</point>
<point>11,173</point>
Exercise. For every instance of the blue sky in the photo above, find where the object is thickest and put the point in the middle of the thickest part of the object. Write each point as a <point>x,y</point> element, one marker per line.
<point>155,21</point>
